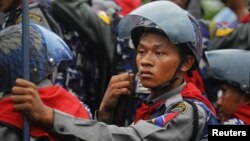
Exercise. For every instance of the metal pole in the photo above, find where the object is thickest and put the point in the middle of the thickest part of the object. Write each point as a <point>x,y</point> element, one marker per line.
<point>25,47</point>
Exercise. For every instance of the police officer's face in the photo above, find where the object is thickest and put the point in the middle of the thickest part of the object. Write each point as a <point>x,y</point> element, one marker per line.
<point>157,59</point>
<point>5,5</point>
<point>229,101</point>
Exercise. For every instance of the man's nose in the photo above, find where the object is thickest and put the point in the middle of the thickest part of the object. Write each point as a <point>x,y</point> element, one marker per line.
<point>147,60</point>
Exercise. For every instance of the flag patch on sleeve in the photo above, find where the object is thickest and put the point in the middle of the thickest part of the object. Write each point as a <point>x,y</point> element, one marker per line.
<point>161,121</point>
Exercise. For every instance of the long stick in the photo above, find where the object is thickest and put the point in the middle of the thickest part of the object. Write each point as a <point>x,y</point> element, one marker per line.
<point>25,44</point>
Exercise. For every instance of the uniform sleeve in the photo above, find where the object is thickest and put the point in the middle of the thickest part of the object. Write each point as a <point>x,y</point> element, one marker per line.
<point>8,134</point>
<point>239,38</point>
<point>178,128</point>
<point>73,129</point>
<point>36,16</point>
<point>40,15</point>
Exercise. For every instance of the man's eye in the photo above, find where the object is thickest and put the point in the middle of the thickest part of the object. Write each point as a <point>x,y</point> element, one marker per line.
<point>141,52</point>
<point>158,53</point>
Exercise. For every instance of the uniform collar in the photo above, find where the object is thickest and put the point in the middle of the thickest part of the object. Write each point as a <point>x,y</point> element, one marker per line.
<point>170,97</point>
<point>44,83</point>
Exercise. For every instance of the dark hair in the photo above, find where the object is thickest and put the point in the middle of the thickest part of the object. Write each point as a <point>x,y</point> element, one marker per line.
<point>141,30</point>
<point>184,51</point>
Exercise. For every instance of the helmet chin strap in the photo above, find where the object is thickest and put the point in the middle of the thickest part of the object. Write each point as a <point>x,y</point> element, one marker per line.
<point>167,84</point>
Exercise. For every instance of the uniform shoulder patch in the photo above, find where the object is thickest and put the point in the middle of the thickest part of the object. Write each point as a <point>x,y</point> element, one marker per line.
<point>224,32</point>
<point>104,17</point>
<point>181,107</point>
<point>32,16</point>
<point>161,121</point>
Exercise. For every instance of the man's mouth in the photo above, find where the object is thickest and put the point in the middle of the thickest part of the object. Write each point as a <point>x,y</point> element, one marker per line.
<point>146,74</point>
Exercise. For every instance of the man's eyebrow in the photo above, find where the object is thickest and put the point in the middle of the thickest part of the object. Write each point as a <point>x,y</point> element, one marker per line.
<point>158,45</point>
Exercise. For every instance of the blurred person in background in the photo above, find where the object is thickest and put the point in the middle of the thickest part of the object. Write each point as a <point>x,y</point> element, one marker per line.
<point>47,51</point>
<point>233,101</point>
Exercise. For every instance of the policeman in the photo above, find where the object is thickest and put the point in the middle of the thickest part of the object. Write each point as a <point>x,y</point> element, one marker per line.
<point>47,51</point>
<point>168,44</point>
<point>92,43</point>
<point>235,38</point>
<point>234,101</point>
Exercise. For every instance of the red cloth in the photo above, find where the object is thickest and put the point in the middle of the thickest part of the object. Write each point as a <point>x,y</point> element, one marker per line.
<point>145,111</point>
<point>191,91</point>
<point>245,19</point>
<point>128,5</point>
<point>53,96</point>
<point>196,80</point>
<point>243,113</point>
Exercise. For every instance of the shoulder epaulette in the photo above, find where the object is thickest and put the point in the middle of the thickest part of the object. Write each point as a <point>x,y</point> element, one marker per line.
<point>223,32</point>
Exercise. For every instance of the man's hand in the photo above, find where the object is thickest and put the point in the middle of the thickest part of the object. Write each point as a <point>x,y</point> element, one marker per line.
<point>121,84</point>
<point>26,99</point>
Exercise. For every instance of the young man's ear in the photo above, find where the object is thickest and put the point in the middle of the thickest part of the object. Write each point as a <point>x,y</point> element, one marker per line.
<point>189,62</point>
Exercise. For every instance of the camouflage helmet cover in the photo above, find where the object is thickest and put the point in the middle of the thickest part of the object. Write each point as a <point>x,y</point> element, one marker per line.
<point>46,51</point>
